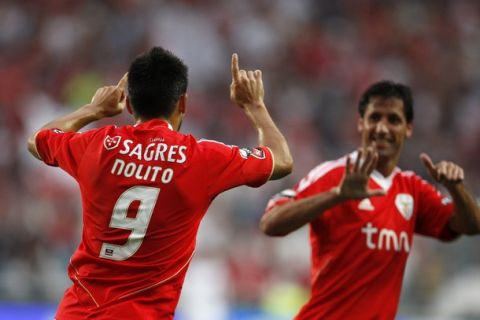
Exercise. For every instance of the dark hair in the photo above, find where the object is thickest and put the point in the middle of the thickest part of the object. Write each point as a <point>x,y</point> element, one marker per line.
<point>388,89</point>
<point>156,81</point>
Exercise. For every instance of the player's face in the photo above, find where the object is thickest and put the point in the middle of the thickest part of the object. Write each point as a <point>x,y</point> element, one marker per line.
<point>384,126</point>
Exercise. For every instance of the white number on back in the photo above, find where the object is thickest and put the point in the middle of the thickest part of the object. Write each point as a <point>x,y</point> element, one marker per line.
<point>147,197</point>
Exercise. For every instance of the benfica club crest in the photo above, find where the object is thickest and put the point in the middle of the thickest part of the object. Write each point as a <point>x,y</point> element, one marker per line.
<point>404,204</point>
<point>111,142</point>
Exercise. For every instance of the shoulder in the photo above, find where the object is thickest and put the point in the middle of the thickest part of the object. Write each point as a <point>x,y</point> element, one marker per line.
<point>101,130</point>
<point>108,134</point>
<point>57,134</point>
<point>329,168</point>
<point>212,146</point>
<point>417,183</point>
<point>412,177</point>
<point>209,143</point>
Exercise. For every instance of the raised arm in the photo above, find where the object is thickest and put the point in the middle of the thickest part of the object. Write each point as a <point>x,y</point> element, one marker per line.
<point>466,217</point>
<point>281,220</point>
<point>247,91</point>
<point>107,102</point>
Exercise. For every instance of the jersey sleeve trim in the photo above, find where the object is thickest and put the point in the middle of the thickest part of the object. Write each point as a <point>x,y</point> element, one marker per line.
<point>280,198</point>
<point>273,162</point>
<point>41,145</point>
<point>35,144</point>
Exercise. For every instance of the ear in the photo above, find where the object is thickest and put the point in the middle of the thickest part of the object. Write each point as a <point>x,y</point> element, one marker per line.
<point>182,103</point>
<point>360,125</point>
<point>409,130</point>
<point>127,104</point>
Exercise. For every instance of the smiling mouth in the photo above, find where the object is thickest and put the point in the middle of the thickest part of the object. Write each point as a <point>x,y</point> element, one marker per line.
<point>382,140</point>
<point>381,144</point>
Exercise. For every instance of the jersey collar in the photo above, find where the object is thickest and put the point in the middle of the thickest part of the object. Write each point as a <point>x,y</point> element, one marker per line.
<point>153,123</point>
<point>384,182</point>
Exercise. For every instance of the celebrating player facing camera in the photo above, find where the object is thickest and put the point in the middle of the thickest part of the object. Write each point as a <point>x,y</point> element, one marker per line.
<point>363,211</point>
<point>146,187</point>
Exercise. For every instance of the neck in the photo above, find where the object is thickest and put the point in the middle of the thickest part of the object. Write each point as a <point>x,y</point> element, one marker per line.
<point>139,120</point>
<point>386,166</point>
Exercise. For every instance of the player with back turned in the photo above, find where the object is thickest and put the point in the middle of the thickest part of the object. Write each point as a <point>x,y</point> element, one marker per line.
<point>363,211</point>
<point>145,187</point>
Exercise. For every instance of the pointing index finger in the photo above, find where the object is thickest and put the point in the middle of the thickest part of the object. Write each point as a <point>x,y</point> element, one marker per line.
<point>123,82</point>
<point>235,68</point>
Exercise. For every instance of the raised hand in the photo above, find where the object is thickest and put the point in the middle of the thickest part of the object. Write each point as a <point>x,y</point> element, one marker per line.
<point>445,172</point>
<point>247,86</point>
<point>110,100</point>
<point>354,184</point>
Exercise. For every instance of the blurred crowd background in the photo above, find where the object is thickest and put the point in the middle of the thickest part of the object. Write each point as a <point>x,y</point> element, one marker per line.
<point>316,56</point>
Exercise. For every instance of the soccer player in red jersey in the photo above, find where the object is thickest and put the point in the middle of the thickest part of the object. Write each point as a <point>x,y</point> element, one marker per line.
<point>146,187</point>
<point>363,211</point>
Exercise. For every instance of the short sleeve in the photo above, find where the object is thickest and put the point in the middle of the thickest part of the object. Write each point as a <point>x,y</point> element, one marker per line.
<point>280,199</point>
<point>230,166</point>
<point>62,149</point>
<point>321,179</point>
<point>434,211</point>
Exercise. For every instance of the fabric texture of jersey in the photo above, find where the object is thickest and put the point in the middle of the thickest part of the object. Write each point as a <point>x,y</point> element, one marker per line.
<point>145,189</point>
<point>359,248</point>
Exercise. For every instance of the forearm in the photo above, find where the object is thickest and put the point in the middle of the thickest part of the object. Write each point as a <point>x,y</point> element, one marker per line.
<point>71,122</point>
<point>466,218</point>
<point>291,216</point>
<point>269,136</point>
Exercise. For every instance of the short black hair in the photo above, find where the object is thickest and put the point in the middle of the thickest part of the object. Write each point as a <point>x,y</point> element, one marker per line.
<point>156,81</point>
<point>388,89</point>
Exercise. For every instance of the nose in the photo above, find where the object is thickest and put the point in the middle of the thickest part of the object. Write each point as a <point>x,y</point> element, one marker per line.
<point>381,127</point>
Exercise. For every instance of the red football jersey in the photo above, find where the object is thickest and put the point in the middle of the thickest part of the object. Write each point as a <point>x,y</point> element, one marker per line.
<point>359,248</point>
<point>145,189</point>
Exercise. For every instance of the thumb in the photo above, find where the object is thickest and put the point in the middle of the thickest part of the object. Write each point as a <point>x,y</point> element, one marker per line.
<point>427,161</point>
<point>122,103</point>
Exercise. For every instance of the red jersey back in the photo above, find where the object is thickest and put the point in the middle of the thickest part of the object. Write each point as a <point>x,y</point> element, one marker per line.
<point>145,189</point>
<point>359,248</point>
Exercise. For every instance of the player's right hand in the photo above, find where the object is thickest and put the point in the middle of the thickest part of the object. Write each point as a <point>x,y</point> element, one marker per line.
<point>445,172</point>
<point>246,88</point>
<point>354,184</point>
<point>110,100</point>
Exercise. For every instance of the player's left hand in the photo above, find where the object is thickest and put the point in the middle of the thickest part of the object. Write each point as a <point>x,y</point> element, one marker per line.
<point>445,172</point>
<point>354,184</point>
<point>110,100</point>
<point>247,86</point>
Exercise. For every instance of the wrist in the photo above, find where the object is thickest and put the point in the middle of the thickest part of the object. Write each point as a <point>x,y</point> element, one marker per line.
<point>252,106</point>
<point>337,194</point>
<point>455,187</point>
<point>256,111</point>
<point>93,112</point>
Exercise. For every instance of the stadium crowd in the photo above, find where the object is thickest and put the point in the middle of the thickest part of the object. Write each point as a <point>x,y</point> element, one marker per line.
<point>316,57</point>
